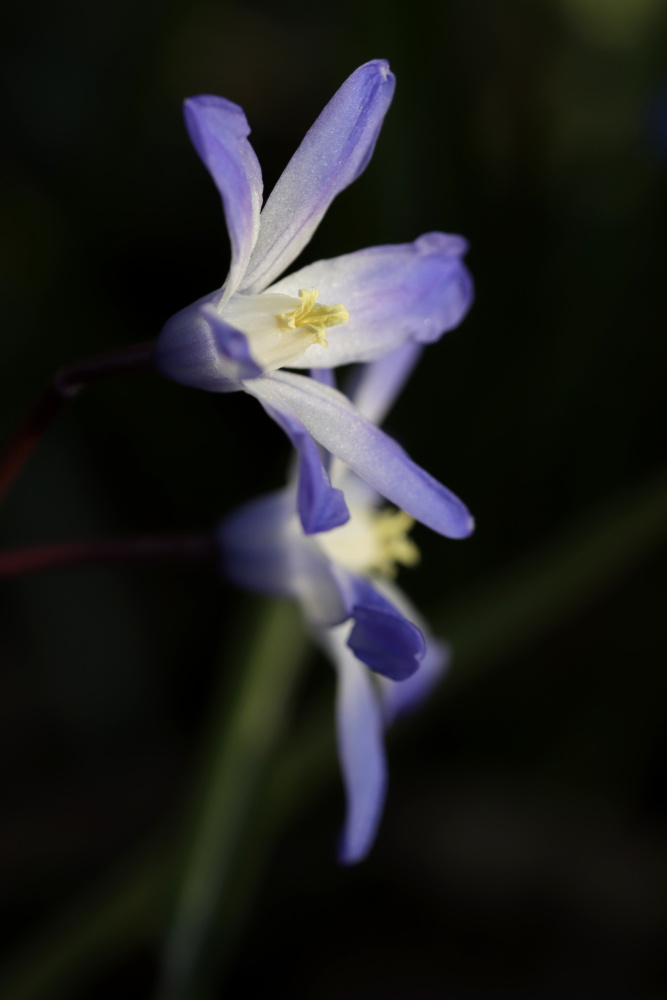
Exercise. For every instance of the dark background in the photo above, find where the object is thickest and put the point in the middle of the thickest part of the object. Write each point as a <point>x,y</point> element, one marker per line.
<point>524,845</point>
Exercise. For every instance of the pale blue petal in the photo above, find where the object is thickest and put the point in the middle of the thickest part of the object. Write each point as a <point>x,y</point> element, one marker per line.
<point>254,545</point>
<point>373,388</point>
<point>218,130</point>
<point>332,421</point>
<point>326,376</point>
<point>197,348</point>
<point>360,736</point>
<point>320,506</point>
<point>394,294</point>
<point>402,697</point>
<point>333,153</point>
<point>262,548</point>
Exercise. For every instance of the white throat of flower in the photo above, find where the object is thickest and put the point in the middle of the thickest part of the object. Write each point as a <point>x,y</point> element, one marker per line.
<point>372,542</point>
<point>279,327</point>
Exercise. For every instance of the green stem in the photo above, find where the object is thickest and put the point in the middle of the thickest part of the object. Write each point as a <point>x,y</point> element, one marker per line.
<point>243,743</point>
<point>303,770</point>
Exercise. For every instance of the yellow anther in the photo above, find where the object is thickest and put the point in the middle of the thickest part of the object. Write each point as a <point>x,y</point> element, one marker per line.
<point>372,542</point>
<point>312,319</point>
<point>393,545</point>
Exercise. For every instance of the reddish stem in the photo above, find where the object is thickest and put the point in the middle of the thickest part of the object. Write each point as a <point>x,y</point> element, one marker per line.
<point>64,386</point>
<point>157,550</point>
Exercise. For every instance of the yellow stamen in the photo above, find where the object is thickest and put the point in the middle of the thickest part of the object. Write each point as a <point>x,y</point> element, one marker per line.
<point>372,542</point>
<point>311,318</point>
<point>393,545</point>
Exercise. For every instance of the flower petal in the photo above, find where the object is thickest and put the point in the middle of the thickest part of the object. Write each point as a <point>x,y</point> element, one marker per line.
<point>360,737</point>
<point>218,130</point>
<point>405,696</point>
<point>381,637</point>
<point>402,697</point>
<point>406,292</point>
<point>254,546</point>
<point>332,420</point>
<point>374,387</point>
<point>197,348</point>
<point>326,376</point>
<point>262,548</point>
<point>334,152</point>
<point>320,506</point>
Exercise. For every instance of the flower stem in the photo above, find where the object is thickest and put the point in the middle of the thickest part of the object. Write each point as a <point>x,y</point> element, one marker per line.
<point>142,550</point>
<point>246,732</point>
<point>65,385</point>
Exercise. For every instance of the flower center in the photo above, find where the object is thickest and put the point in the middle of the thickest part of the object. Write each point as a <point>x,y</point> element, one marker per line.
<point>312,318</point>
<point>281,328</point>
<point>372,542</point>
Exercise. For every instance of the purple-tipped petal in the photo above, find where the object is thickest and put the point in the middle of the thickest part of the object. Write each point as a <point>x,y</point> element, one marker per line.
<point>197,348</point>
<point>332,420</point>
<point>360,737</point>
<point>381,636</point>
<point>218,130</point>
<point>321,507</point>
<point>404,697</point>
<point>333,153</point>
<point>407,292</point>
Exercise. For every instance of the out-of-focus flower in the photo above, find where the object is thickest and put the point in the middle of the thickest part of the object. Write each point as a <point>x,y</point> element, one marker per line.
<point>343,580</point>
<point>358,307</point>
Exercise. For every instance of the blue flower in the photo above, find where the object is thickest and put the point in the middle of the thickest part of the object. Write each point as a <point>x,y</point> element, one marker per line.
<point>343,580</point>
<point>358,307</point>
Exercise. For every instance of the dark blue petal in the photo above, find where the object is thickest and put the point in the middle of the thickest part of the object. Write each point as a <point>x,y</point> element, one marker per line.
<point>381,637</point>
<point>400,698</point>
<point>321,506</point>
